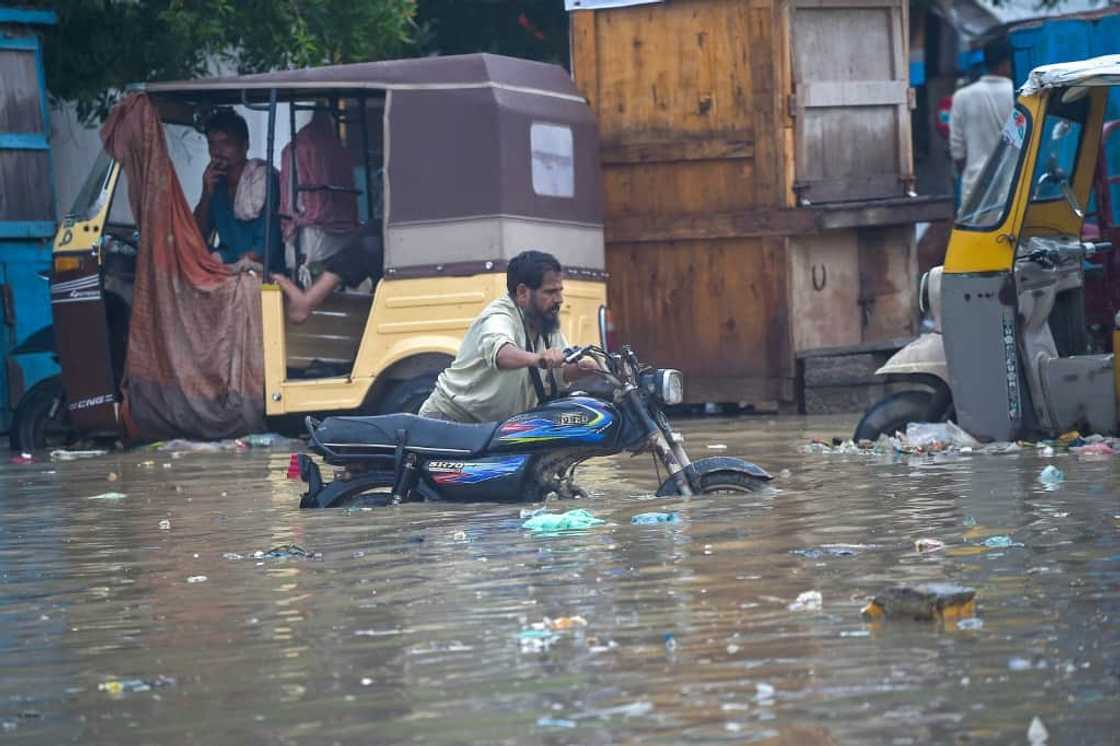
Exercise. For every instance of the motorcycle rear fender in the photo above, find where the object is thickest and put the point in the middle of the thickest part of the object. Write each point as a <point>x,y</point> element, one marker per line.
<point>923,356</point>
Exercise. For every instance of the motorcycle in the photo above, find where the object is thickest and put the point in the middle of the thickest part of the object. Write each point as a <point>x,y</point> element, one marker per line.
<point>528,457</point>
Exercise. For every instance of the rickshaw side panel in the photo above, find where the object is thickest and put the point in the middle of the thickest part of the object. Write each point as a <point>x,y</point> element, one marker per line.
<point>409,318</point>
<point>84,346</point>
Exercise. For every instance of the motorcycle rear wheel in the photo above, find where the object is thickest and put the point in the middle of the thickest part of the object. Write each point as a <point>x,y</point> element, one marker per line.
<point>363,491</point>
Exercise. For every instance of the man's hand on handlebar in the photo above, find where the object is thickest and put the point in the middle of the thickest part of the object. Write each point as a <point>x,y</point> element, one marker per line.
<point>550,359</point>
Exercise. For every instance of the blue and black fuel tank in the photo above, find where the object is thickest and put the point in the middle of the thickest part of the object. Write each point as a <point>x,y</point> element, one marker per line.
<point>571,422</point>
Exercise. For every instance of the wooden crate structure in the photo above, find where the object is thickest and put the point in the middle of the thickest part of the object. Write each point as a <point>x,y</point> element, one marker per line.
<point>757,173</point>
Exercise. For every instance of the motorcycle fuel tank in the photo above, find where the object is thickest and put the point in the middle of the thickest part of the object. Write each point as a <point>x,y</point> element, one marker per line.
<point>570,422</point>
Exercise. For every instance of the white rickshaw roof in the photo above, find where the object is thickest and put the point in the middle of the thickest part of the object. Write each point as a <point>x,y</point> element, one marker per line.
<point>1097,71</point>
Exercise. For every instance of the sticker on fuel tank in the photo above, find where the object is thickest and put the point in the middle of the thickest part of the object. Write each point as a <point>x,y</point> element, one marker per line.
<point>474,472</point>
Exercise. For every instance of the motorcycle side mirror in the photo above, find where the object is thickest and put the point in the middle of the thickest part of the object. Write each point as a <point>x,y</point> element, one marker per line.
<point>1071,198</point>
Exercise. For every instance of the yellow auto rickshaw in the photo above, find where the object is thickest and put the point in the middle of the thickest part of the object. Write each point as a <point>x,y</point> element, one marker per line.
<point>1010,356</point>
<point>456,165</point>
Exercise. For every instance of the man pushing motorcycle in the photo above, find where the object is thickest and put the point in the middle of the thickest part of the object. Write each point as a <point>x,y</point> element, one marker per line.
<point>512,357</point>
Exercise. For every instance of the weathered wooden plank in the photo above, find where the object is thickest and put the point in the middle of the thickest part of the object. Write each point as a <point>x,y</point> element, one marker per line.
<point>20,109</point>
<point>583,34</point>
<point>25,188</point>
<point>774,221</point>
<point>749,223</point>
<point>667,151</point>
<point>707,308</point>
<point>854,93</point>
<point>824,290</point>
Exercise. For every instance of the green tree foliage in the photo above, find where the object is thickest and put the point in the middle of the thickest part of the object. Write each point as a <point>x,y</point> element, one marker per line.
<point>100,46</point>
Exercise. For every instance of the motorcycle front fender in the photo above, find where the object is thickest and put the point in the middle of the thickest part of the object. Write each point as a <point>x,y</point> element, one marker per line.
<point>711,465</point>
<point>923,356</point>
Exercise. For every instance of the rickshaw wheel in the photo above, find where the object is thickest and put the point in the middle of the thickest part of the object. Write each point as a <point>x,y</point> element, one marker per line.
<point>893,413</point>
<point>40,419</point>
<point>408,395</point>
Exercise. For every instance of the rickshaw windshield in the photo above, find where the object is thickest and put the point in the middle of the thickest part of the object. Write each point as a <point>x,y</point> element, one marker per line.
<point>989,201</point>
<point>1058,149</point>
<point>91,197</point>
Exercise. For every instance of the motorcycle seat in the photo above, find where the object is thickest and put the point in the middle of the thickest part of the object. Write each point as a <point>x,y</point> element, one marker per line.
<point>354,435</point>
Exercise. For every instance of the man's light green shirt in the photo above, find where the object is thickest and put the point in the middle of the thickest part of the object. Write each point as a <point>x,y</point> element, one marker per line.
<point>473,389</point>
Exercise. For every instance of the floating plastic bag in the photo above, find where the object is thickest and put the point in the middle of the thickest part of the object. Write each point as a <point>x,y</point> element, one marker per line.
<point>646,519</point>
<point>573,520</point>
<point>922,434</point>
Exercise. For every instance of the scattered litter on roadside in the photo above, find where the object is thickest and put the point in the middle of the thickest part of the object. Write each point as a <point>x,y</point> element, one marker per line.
<point>923,602</point>
<point>972,623</point>
<point>807,601</point>
<point>1051,475</point>
<point>1037,735</point>
<point>645,519</point>
<point>550,722</point>
<point>1100,449</point>
<point>1001,542</point>
<point>22,458</point>
<point>926,544</point>
<point>565,622</point>
<point>165,525</point>
<point>64,455</point>
<point>284,551</point>
<point>1048,452</point>
<point>117,687</point>
<point>832,550</point>
<point>108,496</point>
<point>536,638</point>
<point>1071,437</point>
<point>938,436</point>
<point>573,520</point>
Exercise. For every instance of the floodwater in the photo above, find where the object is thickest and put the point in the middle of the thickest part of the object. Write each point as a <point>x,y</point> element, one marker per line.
<point>415,624</point>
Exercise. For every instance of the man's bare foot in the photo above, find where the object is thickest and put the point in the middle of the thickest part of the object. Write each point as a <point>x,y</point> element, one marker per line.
<point>298,305</point>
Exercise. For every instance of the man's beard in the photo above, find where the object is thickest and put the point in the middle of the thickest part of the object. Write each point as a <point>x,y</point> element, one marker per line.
<point>546,323</point>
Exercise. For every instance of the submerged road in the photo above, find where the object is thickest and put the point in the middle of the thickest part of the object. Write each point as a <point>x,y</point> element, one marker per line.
<point>199,605</point>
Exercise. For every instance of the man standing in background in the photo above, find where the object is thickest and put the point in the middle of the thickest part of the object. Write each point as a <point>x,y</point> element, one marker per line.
<point>978,115</point>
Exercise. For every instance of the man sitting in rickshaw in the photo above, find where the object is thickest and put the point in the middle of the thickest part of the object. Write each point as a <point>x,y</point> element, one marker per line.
<point>234,190</point>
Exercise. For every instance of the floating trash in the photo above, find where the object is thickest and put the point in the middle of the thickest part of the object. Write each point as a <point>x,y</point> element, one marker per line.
<point>1001,542</point>
<point>926,544</point>
<point>1051,475</point>
<point>923,602</point>
<point>573,520</point>
<point>550,722</point>
<point>1037,735</point>
<point>117,687</point>
<point>972,623</point>
<point>108,496</point>
<point>64,455</point>
<point>165,525</point>
<point>646,519</point>
<point>807,601</point>
<point>197,579</point>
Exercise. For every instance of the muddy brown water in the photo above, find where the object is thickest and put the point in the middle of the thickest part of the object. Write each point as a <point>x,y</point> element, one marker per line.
<point>415,624</point>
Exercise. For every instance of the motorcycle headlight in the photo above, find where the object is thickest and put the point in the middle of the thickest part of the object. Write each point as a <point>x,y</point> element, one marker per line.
<point>670,386</point>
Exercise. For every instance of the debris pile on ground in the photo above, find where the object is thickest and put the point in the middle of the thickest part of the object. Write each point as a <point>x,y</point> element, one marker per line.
<point>946,437</point>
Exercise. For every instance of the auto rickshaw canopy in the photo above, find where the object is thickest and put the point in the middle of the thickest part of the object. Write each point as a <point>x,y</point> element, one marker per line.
<point>1098,71</point>
<point>484,155</point>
